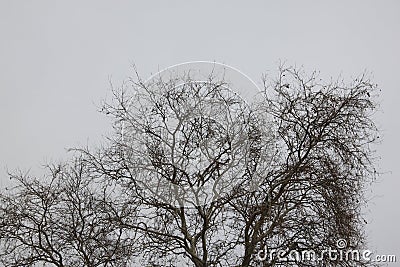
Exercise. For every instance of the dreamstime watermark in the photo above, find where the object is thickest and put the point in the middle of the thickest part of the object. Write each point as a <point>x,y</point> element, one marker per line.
<point>199,118</point>
<point>339,253</point>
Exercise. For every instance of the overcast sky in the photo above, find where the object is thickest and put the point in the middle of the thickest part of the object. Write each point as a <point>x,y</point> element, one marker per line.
<point>56,58</point>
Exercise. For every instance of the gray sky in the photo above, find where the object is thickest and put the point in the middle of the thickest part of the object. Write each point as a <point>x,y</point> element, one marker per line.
<point>56,58</point>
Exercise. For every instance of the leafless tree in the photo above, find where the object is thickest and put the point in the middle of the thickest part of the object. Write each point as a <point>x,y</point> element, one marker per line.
<point>63,220</point>
<point>314,194</point>
<point>207,179</point>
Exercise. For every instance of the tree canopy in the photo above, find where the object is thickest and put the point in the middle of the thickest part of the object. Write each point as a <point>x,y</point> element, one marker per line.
<point>194,175</point>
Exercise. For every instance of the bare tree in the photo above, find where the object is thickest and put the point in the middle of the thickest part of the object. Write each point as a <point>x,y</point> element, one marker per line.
<point>63,220</point>
<point>206,179</point>
<point>313,196</point>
